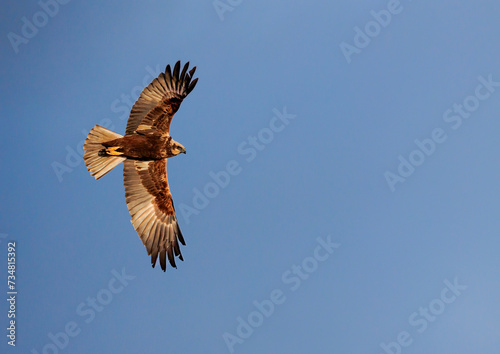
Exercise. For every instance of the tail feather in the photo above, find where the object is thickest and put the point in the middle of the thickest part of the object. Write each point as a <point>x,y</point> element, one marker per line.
<point>97,164</point>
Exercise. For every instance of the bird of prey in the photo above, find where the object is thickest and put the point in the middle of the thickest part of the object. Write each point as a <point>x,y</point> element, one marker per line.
<point>144,151</point>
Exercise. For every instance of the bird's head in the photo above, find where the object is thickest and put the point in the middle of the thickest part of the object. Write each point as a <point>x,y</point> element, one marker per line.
<point>177,148</point>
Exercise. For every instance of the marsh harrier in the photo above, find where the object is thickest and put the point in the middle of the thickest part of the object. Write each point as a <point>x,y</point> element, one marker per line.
<point>144,151</point>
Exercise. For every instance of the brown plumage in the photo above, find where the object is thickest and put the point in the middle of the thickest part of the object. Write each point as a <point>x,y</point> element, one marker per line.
<point>144,151</point>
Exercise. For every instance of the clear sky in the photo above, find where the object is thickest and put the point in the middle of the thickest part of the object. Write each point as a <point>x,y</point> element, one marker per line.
<point>340,191</point>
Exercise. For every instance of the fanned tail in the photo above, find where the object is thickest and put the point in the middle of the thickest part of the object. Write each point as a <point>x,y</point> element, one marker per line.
<point>99,164</point>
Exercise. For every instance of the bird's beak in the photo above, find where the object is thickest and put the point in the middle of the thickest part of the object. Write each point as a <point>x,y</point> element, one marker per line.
<point>183,151</point>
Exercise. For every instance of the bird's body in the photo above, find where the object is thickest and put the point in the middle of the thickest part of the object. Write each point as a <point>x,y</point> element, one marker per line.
<point>144,151</point>
<point>150,147</point>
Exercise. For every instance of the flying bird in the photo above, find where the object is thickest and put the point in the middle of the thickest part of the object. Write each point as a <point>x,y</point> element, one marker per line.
<point>144,151</point>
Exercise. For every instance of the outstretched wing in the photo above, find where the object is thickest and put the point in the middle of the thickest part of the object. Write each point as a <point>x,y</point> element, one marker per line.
<point>150,204</point>
<point>159,101</point>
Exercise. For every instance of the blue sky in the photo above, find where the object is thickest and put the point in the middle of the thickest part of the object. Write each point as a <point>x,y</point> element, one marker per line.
<point>364,220</point>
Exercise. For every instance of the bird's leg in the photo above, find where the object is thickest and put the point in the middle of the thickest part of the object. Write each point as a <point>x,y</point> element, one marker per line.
<point>111,151</point>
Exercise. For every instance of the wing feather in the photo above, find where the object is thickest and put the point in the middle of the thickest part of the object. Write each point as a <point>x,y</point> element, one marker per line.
<point>148,229</point>
<point>183,73</point>
<point>192,85</point>
<point>158,102</point>
<point>175,74</point>
<point>163,262</point>
<point>152,210</point>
